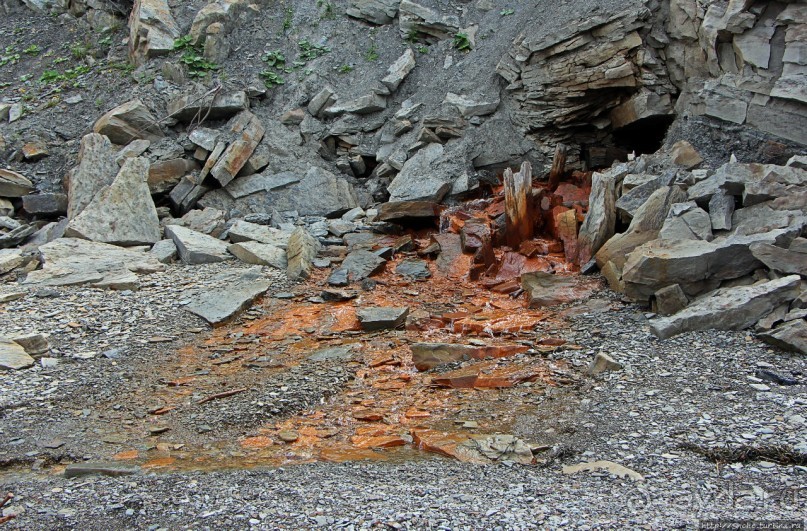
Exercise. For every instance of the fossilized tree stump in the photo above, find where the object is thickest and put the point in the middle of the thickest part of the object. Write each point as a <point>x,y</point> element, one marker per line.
<point>517,205</point>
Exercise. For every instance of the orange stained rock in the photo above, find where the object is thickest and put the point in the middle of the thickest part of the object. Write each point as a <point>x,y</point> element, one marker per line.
<point>490,376</point>
<point>260,441</point>
<point>126,455</point>
<point>384,441</point>
<point>497,322</point>
<point>414,413</point>
<point>159,462</point>
<point>439,442</point>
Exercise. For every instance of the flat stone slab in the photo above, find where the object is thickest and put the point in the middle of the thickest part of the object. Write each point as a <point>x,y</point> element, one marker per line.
<point>382,318</point>
<point>414,269</point>
<point>73,262</point>
<point>196,247</point>
<point>259,254</point>
<point>729,309</point>
<point>100,468</point>
<point>546,289</point>
<point>219,305</point>
<point>13,357</point>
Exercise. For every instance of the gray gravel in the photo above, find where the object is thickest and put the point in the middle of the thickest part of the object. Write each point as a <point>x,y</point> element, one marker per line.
<point>700,388</point>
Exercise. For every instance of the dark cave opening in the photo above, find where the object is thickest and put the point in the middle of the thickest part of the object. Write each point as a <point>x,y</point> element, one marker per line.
<point>644,136</point>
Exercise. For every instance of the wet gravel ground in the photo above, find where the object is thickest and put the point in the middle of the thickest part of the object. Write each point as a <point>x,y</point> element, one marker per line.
<point>705,389</point>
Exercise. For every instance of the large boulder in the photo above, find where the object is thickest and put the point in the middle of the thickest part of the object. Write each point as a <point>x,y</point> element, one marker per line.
<point>660,263</point>
<point>96,169</point>
<point>729,309</point>
<point>122,213</point>
<point>152,30</point>
<point>72,262</point>
<point>427,176</point>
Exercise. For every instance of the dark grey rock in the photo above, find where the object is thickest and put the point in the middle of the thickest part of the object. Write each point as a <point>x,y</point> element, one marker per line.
<point>414,269</point>
<point>372,319</point>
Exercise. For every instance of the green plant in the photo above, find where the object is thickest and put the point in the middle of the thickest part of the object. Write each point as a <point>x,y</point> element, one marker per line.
<point>106,41</point>
<point>372,53</point>
<point>310,51</point>
<point>271,79</point>
<point>506,12</point>
<point>274,58</point>
<point>60,60</point>
<point>423,49</point>
<point>26,77</point>
<point>32,50</point>
<point>412,36</point>
<point>9,56</point>
<point>80,50</point>
<point>53,76</point>
<point>192,57</point>
<point>345,69</point>
<point>462,42</point>
<point>288,19</point>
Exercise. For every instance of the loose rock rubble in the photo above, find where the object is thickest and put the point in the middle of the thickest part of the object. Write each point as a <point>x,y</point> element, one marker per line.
<point>236,235</point>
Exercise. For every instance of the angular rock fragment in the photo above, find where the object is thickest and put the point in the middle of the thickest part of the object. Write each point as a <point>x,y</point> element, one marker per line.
<point>96,169</point>
<point>218,106</point>
<point>366,104</point>
<point>546,289</point>
<point>35,345</point>
<point>122,213</point>
<point>398,70</point>
<point>127,122</point>
<point>600,222</point>
<point>187,193</point>
<point>196,247</point>
<point>421,179</point>
<point>243,231</point>
<point>13,357</point>
<point>469,107</point>
<point>10,259</point>
<point>788,336</point>
<point>669,300</point>
<point>302,249</point>
<point>687,221</point>
<point>602,363</point>
<point>729,309</point>
<point>373,319</point>
<point>165,251</point>
<point>358,265</point>
<point>259,254</point>
<point>244,132</point>
<point>45,204</point>
<point>166,174</point>
<point>414,269</point>
<point>152,30</point>
<point>13,184</point>
<point>219,305</point>
<point>374,11</point>
<point>779,259</point>
<point>420,20</point>
<point>721,208</point>
<point>261,182</point>
<point>401,210</point>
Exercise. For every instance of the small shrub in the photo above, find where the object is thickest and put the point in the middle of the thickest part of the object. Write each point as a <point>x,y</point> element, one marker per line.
<point>32,50</point>
<point>462,42</point>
